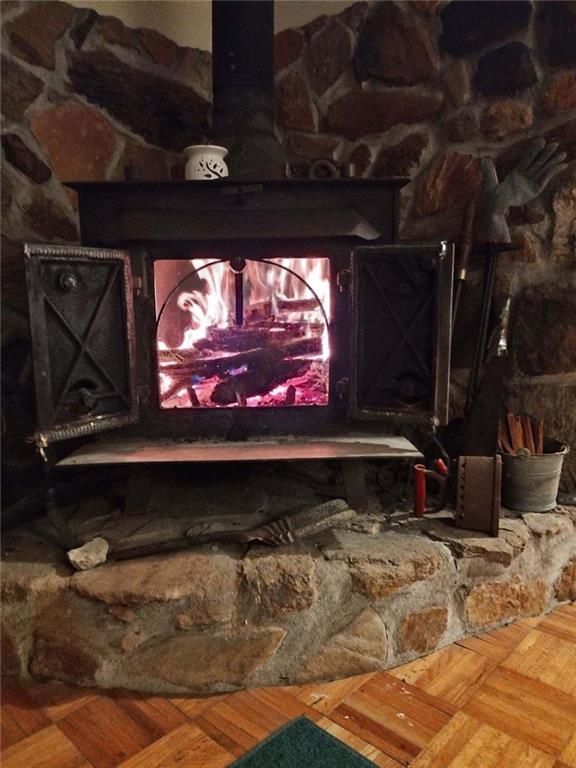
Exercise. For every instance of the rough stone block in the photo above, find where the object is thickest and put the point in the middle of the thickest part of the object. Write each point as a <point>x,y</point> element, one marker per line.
<point>421,632</point>
<point>396,49</point>
<point>500,601</point>
<point>506,71</point>
<point>469,25</point>
<point>469,544</point>
<point>165,112</point>
<point>195,68</point>
<point>206,662</point>
<point>208,582</point>
<point>292,103</point>
<point>280,584</point>
<point>115,32</point>
<point>557,21</point>
<point>449,182</point>
<point>456,80</point>
<point>31,568</point>
<point>360,647</point>
<point>359,113</point>
<point>329,54</point>
<point>288,47</point>
<point>504,118</point>
<point>461,126</point>
<point>547,524</point>
<point>78,141</point>
<point>33,34</point>
<point>62,659</point>
<point>551,309</point>
<point>560,95</point>
<point>354,15</point>
<point>381,566</point>
<point>19,89</point>
<point>401,158</point>
<point>49,219</point>
<point>565,586</point>
<point>159,49</point>
<point>22,157</point>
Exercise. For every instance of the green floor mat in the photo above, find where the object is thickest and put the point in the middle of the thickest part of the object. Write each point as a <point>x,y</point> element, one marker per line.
<point>301,744</point>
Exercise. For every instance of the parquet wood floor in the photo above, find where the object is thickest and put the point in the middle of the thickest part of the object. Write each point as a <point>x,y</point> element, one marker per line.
<point>506,699</point>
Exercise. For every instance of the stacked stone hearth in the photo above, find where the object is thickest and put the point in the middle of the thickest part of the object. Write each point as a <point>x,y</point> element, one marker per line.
<point>214,618</point>
<point>420,88</point>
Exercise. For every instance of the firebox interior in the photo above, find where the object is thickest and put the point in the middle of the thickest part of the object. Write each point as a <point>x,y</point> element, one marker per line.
<point>243,332</point>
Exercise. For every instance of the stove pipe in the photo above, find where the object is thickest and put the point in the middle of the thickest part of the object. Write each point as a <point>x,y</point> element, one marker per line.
<point>243,75</point>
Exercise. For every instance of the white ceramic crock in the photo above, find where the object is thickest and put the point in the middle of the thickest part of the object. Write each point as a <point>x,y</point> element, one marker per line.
<point>205,161</point>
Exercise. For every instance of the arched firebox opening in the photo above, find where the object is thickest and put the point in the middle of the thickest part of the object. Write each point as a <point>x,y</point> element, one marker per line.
<point>242,332</point>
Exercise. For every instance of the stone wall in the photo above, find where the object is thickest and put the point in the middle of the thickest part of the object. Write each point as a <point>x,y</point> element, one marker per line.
<point>209,619</point>
<point>419,88</point>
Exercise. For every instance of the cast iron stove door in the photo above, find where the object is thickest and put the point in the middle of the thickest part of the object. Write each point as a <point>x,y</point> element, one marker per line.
<point>401,331</point>
<point>82,330</point>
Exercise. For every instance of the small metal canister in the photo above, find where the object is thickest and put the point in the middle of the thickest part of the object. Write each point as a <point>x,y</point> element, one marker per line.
<point>530,483</point>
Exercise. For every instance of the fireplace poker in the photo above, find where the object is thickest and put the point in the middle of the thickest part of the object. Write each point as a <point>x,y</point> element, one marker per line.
<point>465,249</point>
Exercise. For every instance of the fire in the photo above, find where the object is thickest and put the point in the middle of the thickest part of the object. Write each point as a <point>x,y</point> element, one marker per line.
<point>283,300</point>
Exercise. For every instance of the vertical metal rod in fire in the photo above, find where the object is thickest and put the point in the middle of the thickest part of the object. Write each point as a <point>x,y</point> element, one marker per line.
<point>238,265</point>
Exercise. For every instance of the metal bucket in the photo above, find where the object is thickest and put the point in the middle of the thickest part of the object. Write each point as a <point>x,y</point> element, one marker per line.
<point>530,483</point>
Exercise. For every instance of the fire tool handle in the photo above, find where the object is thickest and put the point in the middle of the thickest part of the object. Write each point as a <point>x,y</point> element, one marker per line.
<point>420,476</point>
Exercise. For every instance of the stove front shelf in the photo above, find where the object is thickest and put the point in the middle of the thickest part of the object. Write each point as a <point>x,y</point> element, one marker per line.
<point>160,451</point>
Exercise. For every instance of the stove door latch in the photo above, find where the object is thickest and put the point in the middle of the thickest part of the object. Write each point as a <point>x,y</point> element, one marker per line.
<point>343,280</point>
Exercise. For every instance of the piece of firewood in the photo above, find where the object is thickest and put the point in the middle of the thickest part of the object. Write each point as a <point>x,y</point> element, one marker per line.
<point>261,357</point>
<point>503,438</point>
<point>193,397</point>
<point>257,381</point>
<point>539,437</point>
<point>528,437</point>
<point>515,432</point>
<point>297,305</point>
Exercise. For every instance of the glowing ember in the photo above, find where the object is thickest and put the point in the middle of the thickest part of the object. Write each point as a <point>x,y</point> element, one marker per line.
<point>278,355</point>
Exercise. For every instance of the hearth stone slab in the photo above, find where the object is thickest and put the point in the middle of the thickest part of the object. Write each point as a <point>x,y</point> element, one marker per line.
<point>161,451</point>
<point>217,618</point>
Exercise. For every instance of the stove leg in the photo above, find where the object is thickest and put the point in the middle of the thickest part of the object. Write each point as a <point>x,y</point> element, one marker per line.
<point>65,536</point>
<point>354,475</point>
<point>138,492</point>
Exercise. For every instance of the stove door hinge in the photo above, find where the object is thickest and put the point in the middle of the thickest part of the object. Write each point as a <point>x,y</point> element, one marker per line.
<point>142,394</point>
<point>41,444</point>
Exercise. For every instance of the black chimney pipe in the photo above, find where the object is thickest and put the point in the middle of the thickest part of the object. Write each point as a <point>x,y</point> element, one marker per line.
<point>243,74</point>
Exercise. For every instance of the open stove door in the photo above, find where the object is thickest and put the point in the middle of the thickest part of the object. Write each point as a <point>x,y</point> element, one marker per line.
<point>401,309</point>
<point>82,333</point>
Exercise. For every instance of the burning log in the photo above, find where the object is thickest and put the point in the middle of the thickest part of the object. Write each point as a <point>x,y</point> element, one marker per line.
<point>237,339</point>
<point>297,305</point>
<point>264,309</point>
<point>195,403</point>
<point>269,355</point>
<point>257,381</point>
<point>290,398</point>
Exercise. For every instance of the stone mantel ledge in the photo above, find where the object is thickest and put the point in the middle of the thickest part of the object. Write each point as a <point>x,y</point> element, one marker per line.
<point>209,620</point>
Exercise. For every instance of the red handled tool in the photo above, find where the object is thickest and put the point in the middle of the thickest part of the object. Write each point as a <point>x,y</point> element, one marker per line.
<point>421,474</point>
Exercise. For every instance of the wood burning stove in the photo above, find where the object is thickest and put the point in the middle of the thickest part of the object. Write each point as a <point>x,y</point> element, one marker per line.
<point>224,321</point>
<point>235,311</point>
